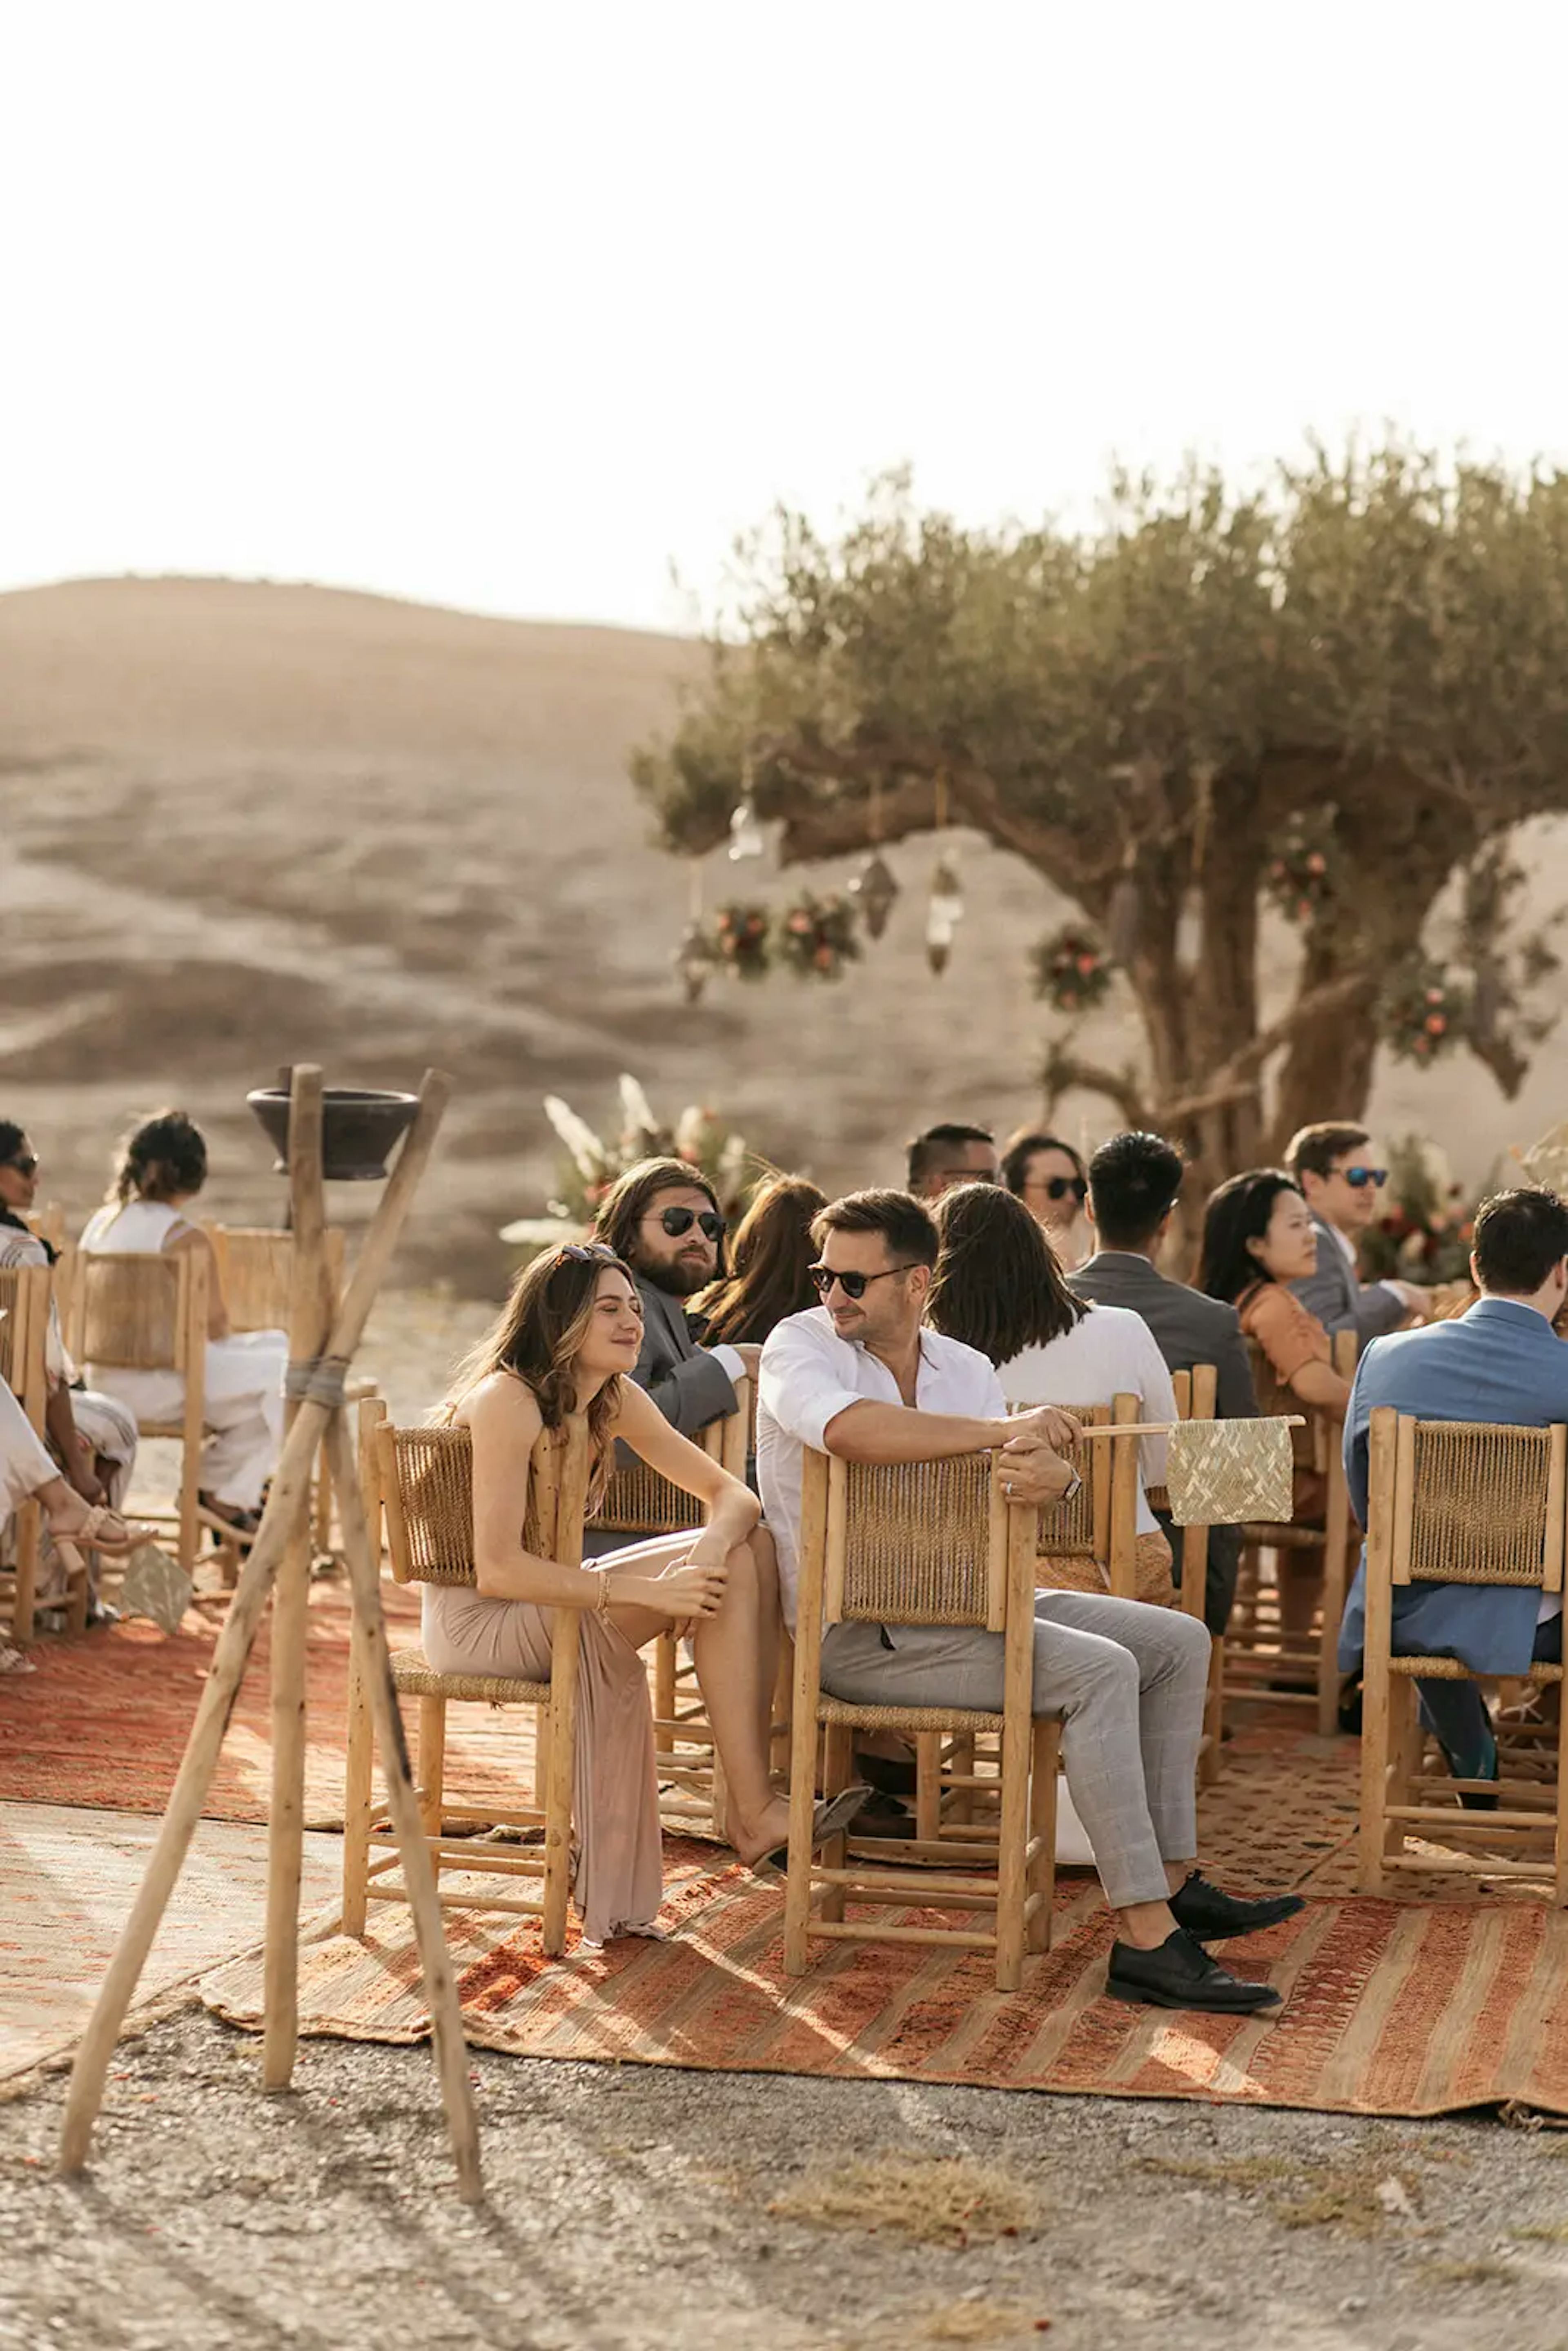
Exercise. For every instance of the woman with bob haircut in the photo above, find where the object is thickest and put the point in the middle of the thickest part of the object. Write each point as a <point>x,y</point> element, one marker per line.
<point>564,1348</point>
<point>999,1288</point>
<point>771,1256</point>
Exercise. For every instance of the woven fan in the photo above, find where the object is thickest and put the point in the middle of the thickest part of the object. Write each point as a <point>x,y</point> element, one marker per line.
<point>1224,1473</point>
<point>155,1585</point>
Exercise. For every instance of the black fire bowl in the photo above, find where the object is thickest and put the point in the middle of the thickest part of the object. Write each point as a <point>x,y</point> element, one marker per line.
<point>359,1128</point>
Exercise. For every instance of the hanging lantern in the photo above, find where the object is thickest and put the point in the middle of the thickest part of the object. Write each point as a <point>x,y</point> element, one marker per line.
<point>1122,920</point>
<point>946,896</point>
<point>693,961</point>
<point>873,889</point>
<point>939,947</point>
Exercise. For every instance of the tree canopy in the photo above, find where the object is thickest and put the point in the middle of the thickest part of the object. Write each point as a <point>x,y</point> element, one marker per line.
<point>1337,689</point>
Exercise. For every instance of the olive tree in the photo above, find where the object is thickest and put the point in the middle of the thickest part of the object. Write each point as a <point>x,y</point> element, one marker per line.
<point>1346,689</point>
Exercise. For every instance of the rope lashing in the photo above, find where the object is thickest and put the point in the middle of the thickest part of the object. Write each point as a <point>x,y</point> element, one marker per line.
<point>318,1379</point>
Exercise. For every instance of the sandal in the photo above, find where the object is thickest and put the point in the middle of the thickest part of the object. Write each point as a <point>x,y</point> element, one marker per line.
<point>97,1531</point>
<point>829,1821</point>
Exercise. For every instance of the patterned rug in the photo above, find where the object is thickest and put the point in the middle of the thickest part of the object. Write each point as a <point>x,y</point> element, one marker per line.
<point>1390,2008</point>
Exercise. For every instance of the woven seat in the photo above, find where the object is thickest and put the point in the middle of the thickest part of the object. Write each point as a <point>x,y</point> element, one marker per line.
<point>414,1677</point>
<point>929,1542</point>
<point>1469,1503</point>
<point>418,1483</point>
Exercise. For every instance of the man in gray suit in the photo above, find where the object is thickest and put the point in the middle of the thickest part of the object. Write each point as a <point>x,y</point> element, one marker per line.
<point>664,1219</point>
<point>1341,1174</point>
<point>1133,1181</point>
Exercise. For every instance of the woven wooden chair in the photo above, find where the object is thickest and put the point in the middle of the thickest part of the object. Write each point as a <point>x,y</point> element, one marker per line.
<point>255,1274</point>
<point>25,1296</point>
<point>1455,1502</point>
<point>638,1505</point>
<point>1258,1651</point>
<point>419,1483</point>
<point>1195,1400</point>
<point>930,1543</point>
<point>149,1313</point>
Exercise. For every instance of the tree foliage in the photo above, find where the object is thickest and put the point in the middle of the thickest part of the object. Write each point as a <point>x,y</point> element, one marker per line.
<point>1374,645</point>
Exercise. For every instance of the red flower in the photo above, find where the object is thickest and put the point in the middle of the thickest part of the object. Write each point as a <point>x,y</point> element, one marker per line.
<point>1436,1024</point>
<point>1317,863</point>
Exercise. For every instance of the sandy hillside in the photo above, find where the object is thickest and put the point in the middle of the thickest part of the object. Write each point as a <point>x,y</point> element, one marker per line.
<point>251,824</point>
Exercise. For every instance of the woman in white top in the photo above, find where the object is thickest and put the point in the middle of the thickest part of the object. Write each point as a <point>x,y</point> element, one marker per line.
<point>162,1168</point>
<point>999,1288</point>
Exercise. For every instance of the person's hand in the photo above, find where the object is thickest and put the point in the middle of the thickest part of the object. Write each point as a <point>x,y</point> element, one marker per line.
<point>1417,1301</point>
<point>689,1588</point>
<point>1046,1424</point>
<point>1028,1470</point>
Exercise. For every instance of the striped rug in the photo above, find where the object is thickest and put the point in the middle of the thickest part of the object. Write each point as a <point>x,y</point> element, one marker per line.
<point>1390,2008</point>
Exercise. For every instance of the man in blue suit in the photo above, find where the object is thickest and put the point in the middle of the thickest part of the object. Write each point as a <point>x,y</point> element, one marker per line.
<point>1502,1361</point>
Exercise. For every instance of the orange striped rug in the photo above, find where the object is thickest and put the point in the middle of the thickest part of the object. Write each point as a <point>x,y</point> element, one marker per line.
<point>1390,2008</point>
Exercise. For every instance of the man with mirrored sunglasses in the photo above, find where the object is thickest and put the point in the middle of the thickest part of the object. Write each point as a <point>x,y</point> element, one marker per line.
<point>662,1218</point>
<point>1342,1175</point>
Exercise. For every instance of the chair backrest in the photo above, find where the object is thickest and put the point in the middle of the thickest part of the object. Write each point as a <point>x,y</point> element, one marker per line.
<point>1468,1502</point>
<point>638,1501</point>
<point>1316,1443</point>
<point>139,1313</point>
<point>48,1222</point>
<point>916,1542</point>
<point>256,1268</point>
<point>25,1292</point>
<point>426,1478</point>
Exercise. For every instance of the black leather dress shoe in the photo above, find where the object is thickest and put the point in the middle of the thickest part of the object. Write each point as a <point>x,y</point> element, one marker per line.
<point>1181,1974</point>
<point>1211,1917</point>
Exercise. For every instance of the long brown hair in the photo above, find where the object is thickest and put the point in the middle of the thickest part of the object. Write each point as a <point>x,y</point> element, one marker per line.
<point>998,1286</point>
<point>539,1335</point>
<point>771,1252</point>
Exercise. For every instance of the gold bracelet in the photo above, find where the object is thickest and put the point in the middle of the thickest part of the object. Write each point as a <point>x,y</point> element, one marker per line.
<point>602,1601</point>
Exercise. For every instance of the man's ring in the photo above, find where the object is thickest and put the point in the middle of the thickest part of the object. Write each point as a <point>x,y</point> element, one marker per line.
<point>1009,1487</point>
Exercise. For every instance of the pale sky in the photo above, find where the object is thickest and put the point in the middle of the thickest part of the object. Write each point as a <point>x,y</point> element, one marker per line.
<point>514,307</point>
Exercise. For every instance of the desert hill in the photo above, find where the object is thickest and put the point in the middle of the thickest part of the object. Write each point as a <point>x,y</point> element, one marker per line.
<point>253,823</point>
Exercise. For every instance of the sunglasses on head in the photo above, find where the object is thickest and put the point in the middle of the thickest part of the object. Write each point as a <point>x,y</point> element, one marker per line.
<point>585,1253</point>
<point>853,1285</point>
<point>1358,1178</point>
<point>1056,1188</point>
<point>25,1165</point>
<point>677,1221</point>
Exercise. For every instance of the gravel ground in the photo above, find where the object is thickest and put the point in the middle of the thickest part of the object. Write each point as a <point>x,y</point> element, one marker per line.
<point>630,2206</point>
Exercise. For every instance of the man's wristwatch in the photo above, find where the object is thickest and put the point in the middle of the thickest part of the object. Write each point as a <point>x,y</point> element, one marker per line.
<point>1070,1492</point>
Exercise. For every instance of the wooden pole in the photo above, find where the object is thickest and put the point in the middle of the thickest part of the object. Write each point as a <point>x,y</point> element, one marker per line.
<point>418,1869</point>
<point>290,1494</point>
<point>311,1306</point>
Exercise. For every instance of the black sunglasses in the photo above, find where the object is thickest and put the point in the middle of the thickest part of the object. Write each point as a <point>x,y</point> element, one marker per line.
<point>585,1253</point>
<point>853,1285</point>
<point>677,1221</point>
<point>27,1166</point>
<point>1056,1188</point>
<point>1358,1178</point>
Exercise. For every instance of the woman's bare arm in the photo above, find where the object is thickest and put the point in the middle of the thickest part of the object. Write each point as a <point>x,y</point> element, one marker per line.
<point>733,1509</point>
<point>1321,1385</point>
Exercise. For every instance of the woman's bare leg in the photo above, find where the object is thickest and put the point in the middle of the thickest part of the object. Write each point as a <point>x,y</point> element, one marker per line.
<point>769,1629</point>
<point>730,1674</point>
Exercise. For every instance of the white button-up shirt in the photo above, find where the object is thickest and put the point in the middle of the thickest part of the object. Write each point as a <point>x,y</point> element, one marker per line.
<point>810,1375</point>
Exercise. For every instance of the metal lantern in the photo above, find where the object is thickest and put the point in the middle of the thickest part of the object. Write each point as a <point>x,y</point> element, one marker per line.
<point>873,889</point>
<point>747,838</point>
<point>693,961</point>
<point>946,896</point>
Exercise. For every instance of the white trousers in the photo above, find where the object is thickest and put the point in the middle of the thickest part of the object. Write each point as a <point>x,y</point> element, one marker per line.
<point>243,1412</point>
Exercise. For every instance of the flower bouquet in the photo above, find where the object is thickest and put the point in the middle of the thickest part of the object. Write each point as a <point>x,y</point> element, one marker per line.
<point>1071,969</point>
<point>592,1162</point>
<point>1299,875</point>
<point>815,937</point>
<point>740,940</point>
<point>1423,1013</point>
<point>1424,1231</point>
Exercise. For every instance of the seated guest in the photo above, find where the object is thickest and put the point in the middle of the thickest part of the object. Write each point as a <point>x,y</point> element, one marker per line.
<point>565,1344</point>
<point>1342,1175</point>
<point>951,1153</point>
<point>770,1263</point>
<point>998,1289</point>
<point>1048,1176</point>
<point>92,1437</point>
<point>28,1474</point>
<point>1503,1362</point>
<point>663,1219</point>
<point>860,1378</point>
<point>163,1166</point>
<point>1133,1182</point>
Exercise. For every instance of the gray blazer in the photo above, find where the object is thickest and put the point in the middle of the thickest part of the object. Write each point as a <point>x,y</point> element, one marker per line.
<point>689,1386</point>
<point>1189,1329</point>
<point>1340,1299</point>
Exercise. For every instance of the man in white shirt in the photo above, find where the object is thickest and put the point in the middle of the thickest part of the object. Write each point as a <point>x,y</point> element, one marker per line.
<point>1341,1174</point>
<point>860,1378</point>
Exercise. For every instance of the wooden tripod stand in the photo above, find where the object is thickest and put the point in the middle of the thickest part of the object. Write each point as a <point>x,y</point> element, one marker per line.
<point>323,1335</point>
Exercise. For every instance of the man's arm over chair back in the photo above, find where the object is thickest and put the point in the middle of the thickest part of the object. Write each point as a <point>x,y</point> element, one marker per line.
<point>690,1386</point>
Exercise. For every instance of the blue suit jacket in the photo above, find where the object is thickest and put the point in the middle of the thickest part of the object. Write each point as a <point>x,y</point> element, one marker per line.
<point>1503,1362</point>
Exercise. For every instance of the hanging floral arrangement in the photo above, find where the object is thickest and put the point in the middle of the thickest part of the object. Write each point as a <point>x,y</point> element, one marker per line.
<point>1072,970</point>
<point>1423,1013</point>
<point>740,940</point>
<point>1299,875</point>
<point>815,937</point>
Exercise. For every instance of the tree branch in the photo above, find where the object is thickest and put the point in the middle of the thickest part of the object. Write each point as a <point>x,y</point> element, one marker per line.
<point>1064,1071</point>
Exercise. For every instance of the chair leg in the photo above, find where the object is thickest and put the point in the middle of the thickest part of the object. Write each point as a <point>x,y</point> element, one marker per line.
<point>565,1659</point>
<point>78,1590</point>
<point>1407,1738</point>
<point>961,1757</point>
<point>783,1688</point>
<point>1561,1890</point>
<point>1046,1745</point>
<point>1377,1700</point>
<point>929,1785</point>
<point>29,1525</point>
<point>190,1534</point>
<point>664,1663</point>
<point>431,1776</point>
<point>542,1759</point>
<point>802,1800</point>
<point>1012,1873</point>
<point>838,1766</point>
<point>356,1790</point>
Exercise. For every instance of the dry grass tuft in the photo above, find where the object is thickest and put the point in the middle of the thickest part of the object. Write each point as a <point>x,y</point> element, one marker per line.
<point>1225,2171</point>
<point>928,2201</point>
<point>1546,2233</point>
<point>1333,2195</point>
<point>1483,2270</point>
